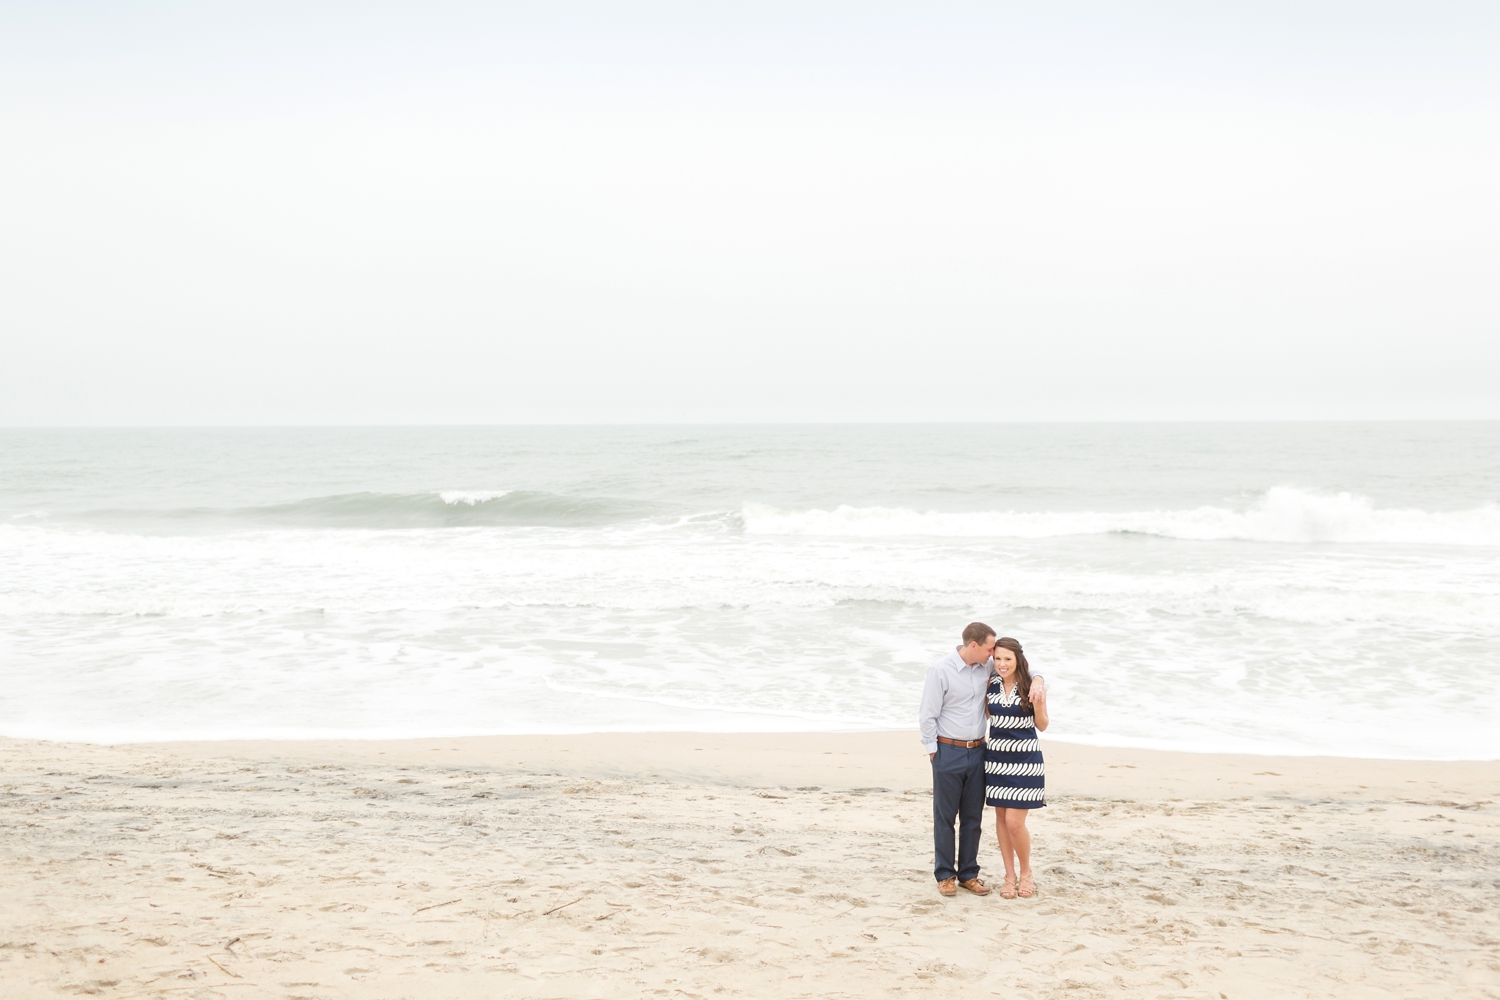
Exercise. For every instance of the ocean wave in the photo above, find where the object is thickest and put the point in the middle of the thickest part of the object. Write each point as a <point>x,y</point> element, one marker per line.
<point>47,570</point>
<point>445,508</point>
<point>1284,514</point>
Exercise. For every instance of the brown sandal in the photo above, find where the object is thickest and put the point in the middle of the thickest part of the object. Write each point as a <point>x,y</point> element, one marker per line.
<point>1008,888</point>
<point>1026,888</point>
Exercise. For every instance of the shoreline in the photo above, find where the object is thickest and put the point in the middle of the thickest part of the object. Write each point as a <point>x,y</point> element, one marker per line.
<point>633,734</point>
<point>785,865</point>
<point>888,758</point>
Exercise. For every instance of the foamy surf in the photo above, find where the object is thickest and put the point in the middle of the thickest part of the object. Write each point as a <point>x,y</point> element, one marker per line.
<point>471,497</point>
<point>1284,514</point>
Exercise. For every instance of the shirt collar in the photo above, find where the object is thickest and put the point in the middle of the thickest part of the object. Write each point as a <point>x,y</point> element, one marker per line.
<point>959,661</point>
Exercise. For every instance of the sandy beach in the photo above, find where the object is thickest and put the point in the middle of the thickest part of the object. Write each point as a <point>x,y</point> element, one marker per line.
<point>728,865</point>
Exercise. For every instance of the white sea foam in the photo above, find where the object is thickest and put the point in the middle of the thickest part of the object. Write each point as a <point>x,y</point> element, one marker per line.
<point>1284,514</point>
<point>472,497</point>
<point>694,568</point>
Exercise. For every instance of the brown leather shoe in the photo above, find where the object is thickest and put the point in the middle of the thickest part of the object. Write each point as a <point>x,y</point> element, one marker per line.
<point>948,887</point>
<point>976,886</point>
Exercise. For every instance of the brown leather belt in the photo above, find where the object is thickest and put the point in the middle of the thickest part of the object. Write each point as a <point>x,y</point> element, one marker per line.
<point>966,744</point>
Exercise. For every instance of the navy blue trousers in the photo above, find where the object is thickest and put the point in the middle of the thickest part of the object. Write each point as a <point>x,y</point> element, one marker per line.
<point>957,791</point>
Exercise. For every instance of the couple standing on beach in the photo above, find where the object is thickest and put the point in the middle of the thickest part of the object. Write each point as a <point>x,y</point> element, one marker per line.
<point>981,710</point>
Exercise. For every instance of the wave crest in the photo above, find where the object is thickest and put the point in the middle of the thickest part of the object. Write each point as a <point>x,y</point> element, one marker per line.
<point>444,509</point>
<point>472,497</point>
<point>1284,514</point>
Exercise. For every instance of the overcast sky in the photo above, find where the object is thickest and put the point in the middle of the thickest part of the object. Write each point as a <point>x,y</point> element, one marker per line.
<point>552,212</point>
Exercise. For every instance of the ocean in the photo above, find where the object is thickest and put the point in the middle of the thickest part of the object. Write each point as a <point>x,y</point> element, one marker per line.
<point>1264,588</point>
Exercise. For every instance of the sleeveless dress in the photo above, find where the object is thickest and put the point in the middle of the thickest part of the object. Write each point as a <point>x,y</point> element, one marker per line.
<point>1014,776</point>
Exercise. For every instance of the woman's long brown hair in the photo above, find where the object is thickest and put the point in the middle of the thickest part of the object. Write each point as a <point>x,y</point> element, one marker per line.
<point>1023,671</point>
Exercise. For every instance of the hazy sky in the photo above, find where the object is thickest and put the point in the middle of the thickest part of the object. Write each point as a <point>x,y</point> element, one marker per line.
<point>219,213</point>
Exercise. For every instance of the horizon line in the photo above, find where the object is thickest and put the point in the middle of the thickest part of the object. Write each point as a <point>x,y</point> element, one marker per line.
<point>759,423</point>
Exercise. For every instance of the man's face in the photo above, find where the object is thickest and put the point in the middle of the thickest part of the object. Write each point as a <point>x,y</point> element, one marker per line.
<point>978,652</point>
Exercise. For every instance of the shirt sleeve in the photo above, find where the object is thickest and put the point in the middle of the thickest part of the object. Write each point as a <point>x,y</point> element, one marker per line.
<point>932,704</point>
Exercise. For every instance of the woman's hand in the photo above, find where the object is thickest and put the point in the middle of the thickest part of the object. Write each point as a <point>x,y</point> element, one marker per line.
<point>1039,704</point>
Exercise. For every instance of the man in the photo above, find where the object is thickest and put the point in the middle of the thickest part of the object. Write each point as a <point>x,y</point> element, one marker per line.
<point>952,722</point>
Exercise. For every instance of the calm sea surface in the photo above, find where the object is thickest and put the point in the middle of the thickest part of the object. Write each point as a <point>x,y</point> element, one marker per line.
<point>1278,588</point>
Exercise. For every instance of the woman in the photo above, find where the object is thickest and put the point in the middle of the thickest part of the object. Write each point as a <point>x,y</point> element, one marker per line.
<point>1013,772</point>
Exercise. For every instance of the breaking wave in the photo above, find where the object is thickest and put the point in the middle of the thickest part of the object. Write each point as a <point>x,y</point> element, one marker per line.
<point>1284,514</point>
<point>448,508</point>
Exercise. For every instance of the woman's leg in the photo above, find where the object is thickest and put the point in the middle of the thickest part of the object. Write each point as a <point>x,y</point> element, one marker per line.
<point>1020,840</point>
<point>1007,849</point>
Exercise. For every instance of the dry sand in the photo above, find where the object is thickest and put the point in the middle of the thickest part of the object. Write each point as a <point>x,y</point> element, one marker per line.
<point>746,865</point>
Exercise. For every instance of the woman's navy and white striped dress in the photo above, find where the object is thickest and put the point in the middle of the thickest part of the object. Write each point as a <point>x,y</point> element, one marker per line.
<point>1014,776</point>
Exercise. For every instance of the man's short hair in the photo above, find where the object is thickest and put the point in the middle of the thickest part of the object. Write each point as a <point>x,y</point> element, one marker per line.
<point>977,632</point>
